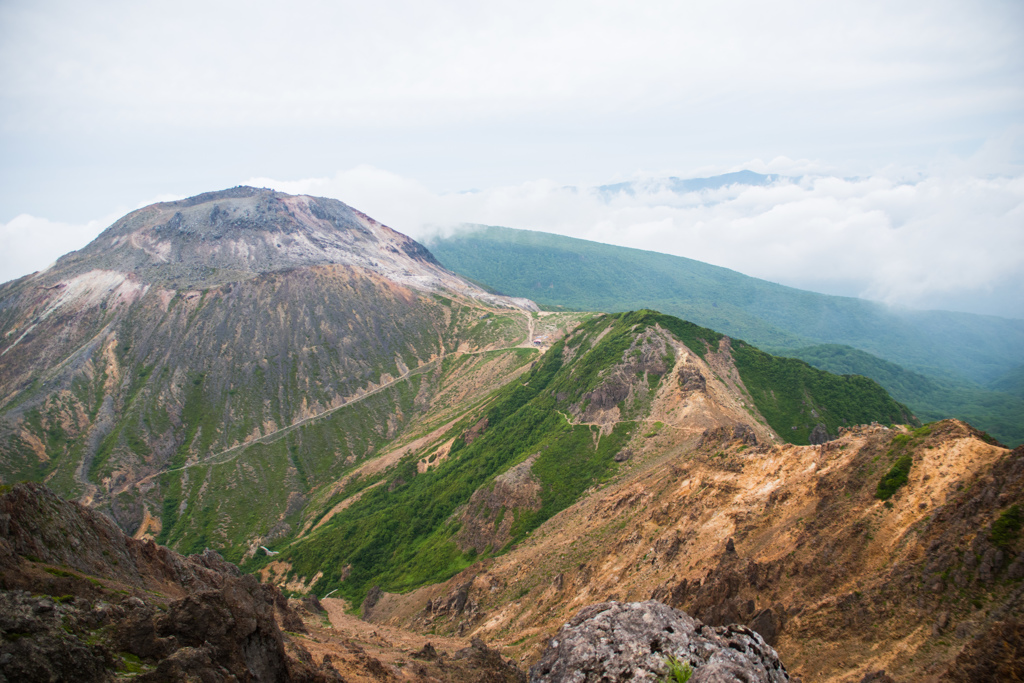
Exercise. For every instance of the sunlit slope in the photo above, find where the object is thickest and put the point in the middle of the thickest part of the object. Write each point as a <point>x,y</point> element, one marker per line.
<point>540,443</point>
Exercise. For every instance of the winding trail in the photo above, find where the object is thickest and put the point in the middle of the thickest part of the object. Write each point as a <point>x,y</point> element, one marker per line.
<point>270,437</point>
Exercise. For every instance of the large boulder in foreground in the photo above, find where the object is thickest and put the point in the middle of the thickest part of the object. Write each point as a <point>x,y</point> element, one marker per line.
<point>613,641</point>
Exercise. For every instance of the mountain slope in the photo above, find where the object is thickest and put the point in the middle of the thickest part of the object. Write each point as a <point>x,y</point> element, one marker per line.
<point>346,418</point>
<point>580,275</point>
<point>246,342</point>
<point>791,541</point>
<point>543,440</point>
<point>80,601</point>
<point>933,399</point>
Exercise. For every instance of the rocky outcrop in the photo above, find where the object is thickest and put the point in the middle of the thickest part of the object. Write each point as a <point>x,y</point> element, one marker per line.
<point>37,523</point>
<point>996,655</point>
<point>488,517</point>
<point>690,379</point>
<point>613,641</point>
<point>629,384</point>
<point>727,435</point>
<point>819,435</point>
<point>477,663</point>
<point>489,665</point>
<point>80,601</point>
<point>726,595</point>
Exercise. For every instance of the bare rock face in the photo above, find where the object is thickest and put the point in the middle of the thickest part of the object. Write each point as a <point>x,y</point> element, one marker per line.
<point>488,664</point>
<point>487,519</point>
<point>613,641</point>
<point>819,435</point>
<point>725,435</point>
<point>690,379</point>
<point>995,655</point>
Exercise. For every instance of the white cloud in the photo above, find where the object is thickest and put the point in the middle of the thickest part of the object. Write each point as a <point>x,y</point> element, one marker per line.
<point>946,240</point>
<point>28,243</point>
<point>410,63</point>
<point>932,242</point>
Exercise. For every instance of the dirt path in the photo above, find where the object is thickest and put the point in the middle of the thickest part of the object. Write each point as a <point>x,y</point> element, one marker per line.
<point>271,436</point>
<point>235,451</point>
<point>384,642</point>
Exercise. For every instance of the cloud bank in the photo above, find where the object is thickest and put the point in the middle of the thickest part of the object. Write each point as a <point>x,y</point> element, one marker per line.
<point>945,241</point>
<point>29,243</point>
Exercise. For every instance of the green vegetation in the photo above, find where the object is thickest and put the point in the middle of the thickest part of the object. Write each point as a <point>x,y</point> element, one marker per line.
<point>794,397</point>
<point>1006,529</point>
<point>999,412</point>
<point>976,360</point>
<point>678,672</point>
<point>901,447</point>
<point>1011,383</point>
<point>399,533</point>
<point>398,536</point>
<point>894,478</point>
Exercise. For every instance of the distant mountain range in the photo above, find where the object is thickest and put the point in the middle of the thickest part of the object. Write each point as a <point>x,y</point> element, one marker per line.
<point>683,185</point>
<point>976,360</point>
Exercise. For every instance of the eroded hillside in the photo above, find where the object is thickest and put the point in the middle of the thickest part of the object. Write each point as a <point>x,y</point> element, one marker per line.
<point>611,396</point>
<point>205,367</point>
<point>790,540</point>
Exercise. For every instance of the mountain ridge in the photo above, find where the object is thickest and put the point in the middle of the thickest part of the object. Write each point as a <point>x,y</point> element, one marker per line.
<point>559,271</point>
<point>230,235</point>
<point>184,332</point>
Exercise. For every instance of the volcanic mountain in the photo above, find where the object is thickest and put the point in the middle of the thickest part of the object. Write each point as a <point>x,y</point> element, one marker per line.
<point>194,330</point>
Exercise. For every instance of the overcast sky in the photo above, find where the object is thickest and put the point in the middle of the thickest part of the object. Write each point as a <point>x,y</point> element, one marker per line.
<point>905,121</point>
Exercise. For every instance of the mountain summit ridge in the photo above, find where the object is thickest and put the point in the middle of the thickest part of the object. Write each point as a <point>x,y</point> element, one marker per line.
<point>235,234</point>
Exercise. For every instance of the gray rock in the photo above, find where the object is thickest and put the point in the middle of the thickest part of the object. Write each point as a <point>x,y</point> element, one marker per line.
<point>819,435</point>
<point>690,379</point>
<point>613,641</point>
<point>766,624</point>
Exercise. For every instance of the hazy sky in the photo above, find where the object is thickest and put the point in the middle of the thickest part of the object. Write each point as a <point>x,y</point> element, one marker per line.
<point>906,120</point>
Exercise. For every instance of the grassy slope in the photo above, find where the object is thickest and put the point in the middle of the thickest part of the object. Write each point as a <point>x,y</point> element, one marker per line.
<point>171,386</point>
<point>1001,412</point>
<point>577,274</point>
<point>1012,382</point>
<point>399,535</point>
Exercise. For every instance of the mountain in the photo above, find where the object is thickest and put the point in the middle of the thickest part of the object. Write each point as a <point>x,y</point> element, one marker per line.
<point>485,483</point>
<point>684,185</point>
<point>795,543</point>
<point>236,346</point>
<point>375,435</point>
<point>1012,382</point>
<point>565,273</point>
<point>80,601</point>
<point>997,408</point>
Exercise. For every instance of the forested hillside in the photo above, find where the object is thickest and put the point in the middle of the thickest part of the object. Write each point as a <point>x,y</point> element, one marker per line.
<point>972,353</point>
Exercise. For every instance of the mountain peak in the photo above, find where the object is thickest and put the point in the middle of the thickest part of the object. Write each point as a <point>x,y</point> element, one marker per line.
<point>236,234</point>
